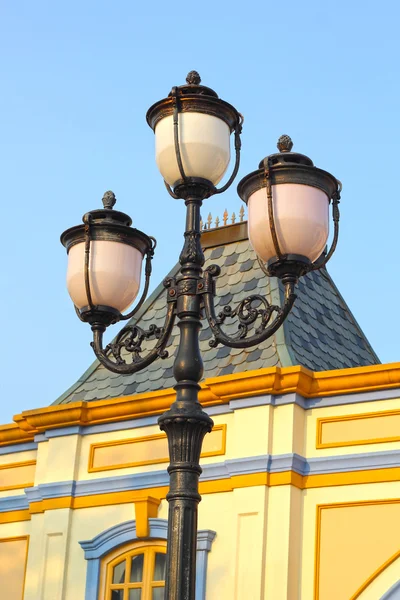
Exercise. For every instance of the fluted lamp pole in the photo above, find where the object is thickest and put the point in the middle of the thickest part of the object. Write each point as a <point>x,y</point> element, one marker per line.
<point>288,200</point>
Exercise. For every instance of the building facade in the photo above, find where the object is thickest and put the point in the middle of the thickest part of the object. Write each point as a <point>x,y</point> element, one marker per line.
<point>301,473</point>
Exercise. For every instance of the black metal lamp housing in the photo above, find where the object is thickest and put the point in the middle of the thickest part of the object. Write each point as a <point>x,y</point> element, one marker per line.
<point>105,257</point>
<point>192,129</point>
<point>288,202</point>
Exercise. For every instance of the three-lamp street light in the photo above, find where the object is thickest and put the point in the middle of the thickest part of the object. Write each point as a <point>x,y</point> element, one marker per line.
<point>288,222</point>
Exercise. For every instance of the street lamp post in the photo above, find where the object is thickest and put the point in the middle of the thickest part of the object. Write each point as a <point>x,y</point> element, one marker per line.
<point>288,200</point>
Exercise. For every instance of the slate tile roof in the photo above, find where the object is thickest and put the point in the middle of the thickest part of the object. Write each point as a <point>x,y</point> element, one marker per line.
<point>320,333</point>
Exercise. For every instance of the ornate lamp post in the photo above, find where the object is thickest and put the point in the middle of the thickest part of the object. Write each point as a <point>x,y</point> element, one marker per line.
<point>288,200</point>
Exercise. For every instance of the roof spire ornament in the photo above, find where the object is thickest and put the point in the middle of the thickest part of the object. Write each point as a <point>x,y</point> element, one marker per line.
<point>109,200</point>
<point>285,143</point>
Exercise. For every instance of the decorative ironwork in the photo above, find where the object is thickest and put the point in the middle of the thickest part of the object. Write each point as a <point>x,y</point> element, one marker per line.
<point>248,312</point>
<point>217,222</point>
<point>193,78</point>
<point>251,309</point>
<point>285,143</point>
<point>131,339</point>
<point>109,200</point>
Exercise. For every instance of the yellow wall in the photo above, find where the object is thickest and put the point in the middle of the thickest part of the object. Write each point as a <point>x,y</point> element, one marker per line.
<point>333,535</point>
<point>13,555</point>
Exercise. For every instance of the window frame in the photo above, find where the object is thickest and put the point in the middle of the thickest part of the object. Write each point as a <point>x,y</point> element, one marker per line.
<point>123,533</point>
<point>149,549</point>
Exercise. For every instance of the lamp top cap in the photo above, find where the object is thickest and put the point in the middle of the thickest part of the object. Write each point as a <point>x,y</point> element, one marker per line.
<point>193,78</point>
<point>109,200</point>
<point>285,143</point>
<point>285,156</point>
<point>192,86</point>
<point>194,97</point>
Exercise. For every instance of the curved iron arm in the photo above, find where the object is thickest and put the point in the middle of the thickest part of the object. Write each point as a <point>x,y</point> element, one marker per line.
<point>238,145</point>
<point>246,313</point>
<point>131,338</point>
<point>321,262</point>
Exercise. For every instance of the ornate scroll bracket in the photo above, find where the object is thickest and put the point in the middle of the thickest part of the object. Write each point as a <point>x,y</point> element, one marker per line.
<point>131,338</point>
<point>252,309</point>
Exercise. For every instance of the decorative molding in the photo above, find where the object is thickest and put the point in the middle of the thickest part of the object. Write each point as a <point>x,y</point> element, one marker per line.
<point>126,532</point>
<point>14,434</point>
<point>356,417</point>
<point>144,509</point>
<point>284,469</point>
<point>250,402</point>
<point>214,391</point>
<point>162,458</point>
<point>374,575</point>
<point>12,449</point>
<point>205,539</point>
<point>11,471</point>
<point>14,503</point>
<point>21,538</point>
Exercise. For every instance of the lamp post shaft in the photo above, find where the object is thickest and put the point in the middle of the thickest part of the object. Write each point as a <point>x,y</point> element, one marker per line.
<point>186,423</point>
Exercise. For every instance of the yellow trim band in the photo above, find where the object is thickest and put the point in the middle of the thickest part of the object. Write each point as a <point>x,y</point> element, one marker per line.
<point>214,391</point>
<point>14,516</point>
<point>208,487</point>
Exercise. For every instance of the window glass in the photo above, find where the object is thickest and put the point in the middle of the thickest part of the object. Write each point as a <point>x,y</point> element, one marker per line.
<point>159,567</point>
<point>158,593</point>
<point>135,594</point>
<point>119,573</point>
<point>137,569</point>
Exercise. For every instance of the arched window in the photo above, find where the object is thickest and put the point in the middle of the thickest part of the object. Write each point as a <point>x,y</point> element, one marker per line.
<point>134,572</point>
<point>121,566</point>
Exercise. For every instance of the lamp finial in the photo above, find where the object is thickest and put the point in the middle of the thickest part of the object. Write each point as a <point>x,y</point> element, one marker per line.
<point>193,78</point>
<point>285,143</point>
<point>109,200</point>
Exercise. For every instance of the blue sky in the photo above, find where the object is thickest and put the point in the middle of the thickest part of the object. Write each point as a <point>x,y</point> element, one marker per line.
<point>76,81</point>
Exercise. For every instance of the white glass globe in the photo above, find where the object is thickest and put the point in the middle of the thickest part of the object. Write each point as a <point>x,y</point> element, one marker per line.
<point>114,274</point>
<point>301,216</point>
<point>204,142</point>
